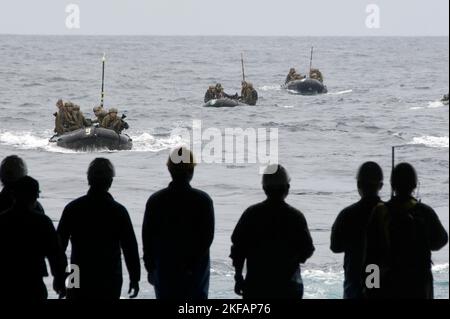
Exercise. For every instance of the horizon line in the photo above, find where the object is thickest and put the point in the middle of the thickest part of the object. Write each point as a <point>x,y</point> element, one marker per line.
<point>229,35</point>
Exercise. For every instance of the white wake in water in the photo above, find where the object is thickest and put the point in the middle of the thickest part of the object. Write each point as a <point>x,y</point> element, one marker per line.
<point>340,93</point>
<point>431,141</point>
<point>270,88</point>
<point>431,105</point>
<point>148,143</point>
<point>144,142</point>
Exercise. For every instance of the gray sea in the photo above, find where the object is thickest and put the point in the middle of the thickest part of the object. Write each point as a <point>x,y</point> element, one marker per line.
<point>382,92</point>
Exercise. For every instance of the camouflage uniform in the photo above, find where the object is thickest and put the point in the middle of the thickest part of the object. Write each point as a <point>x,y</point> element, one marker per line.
<point>249,94</point>
<point>293,76</point>
<point>79,119</point>
<point>59,118</point>
<point>113,122</point>
<point>210,94</point>
<point>316,75</point>
<point>100,114</point>
<point>69,121</point>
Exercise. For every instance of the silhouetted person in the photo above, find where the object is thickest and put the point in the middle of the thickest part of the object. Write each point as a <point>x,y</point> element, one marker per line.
<point>27,238</point>
<point>177,233</point>
<point>349,231</point>
<point>12,169</point>
<point>273,238</point>
<point>401,236</point>
<point>99,228</point>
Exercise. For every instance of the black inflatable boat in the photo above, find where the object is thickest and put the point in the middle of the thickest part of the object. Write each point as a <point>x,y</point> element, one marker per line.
<point>222,103</point>
<point>306,87</point>
<point>93,138</point>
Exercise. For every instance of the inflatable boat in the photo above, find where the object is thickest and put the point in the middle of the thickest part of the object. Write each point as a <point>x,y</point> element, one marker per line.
<point>222,103</point>
<point>306,87</point>
<point>93,138</point>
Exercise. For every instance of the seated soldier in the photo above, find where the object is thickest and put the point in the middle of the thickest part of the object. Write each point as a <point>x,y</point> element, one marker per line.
<point>220,93</point>
<point>78,116</point>
<point>69,123</point>
<point>293,76</point>
<point>100,114</point>
<point>59,118</point>
<point>210,94</point>
<point>249,94</point>
<point>113,122</point>
<point>316,75</point>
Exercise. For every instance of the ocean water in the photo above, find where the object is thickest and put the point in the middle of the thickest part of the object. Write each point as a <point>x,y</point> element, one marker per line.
<point>383,92</point>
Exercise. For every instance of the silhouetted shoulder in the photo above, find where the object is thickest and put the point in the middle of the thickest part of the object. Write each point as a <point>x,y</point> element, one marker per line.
<point>266,207</point>
<point>349,211</point>
<point>194,194</point>
<point>201,194</point>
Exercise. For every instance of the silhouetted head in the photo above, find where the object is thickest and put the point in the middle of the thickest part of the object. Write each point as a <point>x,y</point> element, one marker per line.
<point>76,108</point>
<point>370,179</point>
<point>26,192</point>
<point>292,71</point>
<point>181,164</point>
<point>12,169</point>
<point>404,180</point>
<point>101,174</point>
<point>60,103</point>
<point>276,182</point>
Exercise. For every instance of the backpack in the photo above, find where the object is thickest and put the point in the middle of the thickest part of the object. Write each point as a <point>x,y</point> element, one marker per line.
<point>407,244</point>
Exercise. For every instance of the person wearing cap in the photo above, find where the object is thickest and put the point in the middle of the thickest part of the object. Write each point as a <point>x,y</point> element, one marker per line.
<point>177,234</point>
<point>349,231</point>
<point>273,238</point>
<point>100,114</point>
<point>113,122</point>
<point>27,239</point>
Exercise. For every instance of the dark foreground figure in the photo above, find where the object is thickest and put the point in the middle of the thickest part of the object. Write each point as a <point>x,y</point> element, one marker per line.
<point>99,228</point>
<point>27,238</point>
<point>401,236</point>
<point>12,169</point>
<point>178,231</point>
<point>349,231</point>
<point>273,238</point>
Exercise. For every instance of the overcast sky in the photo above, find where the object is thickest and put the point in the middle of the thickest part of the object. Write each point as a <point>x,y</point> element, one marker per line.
<point>226,17</point>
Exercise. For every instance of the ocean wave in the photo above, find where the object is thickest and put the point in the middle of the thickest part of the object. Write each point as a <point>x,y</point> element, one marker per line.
<point>340,92</point>
<point>270,88</point>
<point>29,141</point>
<point>431,141</point>
<point>440,269</point>
<point>144,142</point>
<point>431,105</point>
